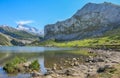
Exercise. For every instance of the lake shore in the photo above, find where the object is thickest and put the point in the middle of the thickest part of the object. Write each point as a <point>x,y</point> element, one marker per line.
<point>104,63</point>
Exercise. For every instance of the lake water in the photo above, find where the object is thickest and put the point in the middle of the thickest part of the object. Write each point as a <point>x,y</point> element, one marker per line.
<point>46,56</point>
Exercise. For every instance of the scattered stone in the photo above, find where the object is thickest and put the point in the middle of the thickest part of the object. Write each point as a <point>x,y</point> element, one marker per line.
<point>49,76</point>
<point>26,64</point>
<point>68,72</point>
<point>36,74</point>
<point>49,71</point>
<point>76,63</point>
<point>102,69</point>
<point>74,59</point>
<point>54,66</point>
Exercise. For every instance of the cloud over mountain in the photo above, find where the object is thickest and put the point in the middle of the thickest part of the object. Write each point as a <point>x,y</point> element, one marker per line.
<point>25,22</point>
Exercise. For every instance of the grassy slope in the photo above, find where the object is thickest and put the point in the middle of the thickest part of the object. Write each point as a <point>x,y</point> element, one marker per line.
<point>82,43</point>
<point>109,39</point>
<point>4,40</point>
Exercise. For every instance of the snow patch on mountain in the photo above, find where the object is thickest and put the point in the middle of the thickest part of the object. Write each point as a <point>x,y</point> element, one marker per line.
<point>29,29</point>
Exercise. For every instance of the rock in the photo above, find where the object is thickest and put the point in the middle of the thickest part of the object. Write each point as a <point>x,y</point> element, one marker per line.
<point>36,74</point>
<point>90,70</point>
<point>90,59</point>
<point>95,59</point>
<point>66,61</point>
<point>21,69</point>
<point>49,71</point>
<point>54,75</point>
<point>76,63</point>
<point>74,59</point>
<point>61,68</point>
<point>103,68</point>
<point>91,51</point>
<point>49,76</point>
<point>26,64</point>
<point>72,64</point>
<point>83,68</point>
<point>78,58</point>
<point>69,72</point>
<point>98,59</point>
<point>116,61</point>
<point>54,66</point>
<point>92,76</point>
<point>107,61</point>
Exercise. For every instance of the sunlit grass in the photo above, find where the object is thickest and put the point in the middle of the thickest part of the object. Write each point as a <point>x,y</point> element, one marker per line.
<point>92,42</point>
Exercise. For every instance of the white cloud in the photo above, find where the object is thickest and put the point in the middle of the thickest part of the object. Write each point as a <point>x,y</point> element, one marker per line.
<point>25,22</point>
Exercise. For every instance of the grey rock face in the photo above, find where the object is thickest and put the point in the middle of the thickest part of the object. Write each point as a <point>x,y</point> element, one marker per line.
<point>91,21</point>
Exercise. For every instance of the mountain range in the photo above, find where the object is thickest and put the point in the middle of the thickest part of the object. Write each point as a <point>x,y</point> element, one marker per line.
<point>93,20</point>
<point>18,36</point>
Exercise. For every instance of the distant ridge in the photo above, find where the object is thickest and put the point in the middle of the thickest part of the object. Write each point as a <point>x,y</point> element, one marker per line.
<point>18,37</point>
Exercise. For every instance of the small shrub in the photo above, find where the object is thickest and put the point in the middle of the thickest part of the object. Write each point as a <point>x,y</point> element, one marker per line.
<point>35,65</point>
<point>10,67</point>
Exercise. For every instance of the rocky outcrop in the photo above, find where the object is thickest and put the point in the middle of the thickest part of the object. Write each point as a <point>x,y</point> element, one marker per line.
<point>91,21</point>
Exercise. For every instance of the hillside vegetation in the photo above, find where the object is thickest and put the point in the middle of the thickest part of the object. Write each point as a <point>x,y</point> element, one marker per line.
<point>110,39</point>
<point>4,40</point>
<point>81,43</point>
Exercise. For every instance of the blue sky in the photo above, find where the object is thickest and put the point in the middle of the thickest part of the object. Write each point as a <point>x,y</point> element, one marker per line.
<point>38,13</point>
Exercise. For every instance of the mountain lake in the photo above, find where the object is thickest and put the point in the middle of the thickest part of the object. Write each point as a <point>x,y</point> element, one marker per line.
<point>47,57</point>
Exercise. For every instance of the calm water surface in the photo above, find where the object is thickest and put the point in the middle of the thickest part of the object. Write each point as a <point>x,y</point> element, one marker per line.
<point>47,56</point>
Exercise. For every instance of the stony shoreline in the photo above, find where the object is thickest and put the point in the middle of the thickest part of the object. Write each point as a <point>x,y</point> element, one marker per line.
<point>94,65</point>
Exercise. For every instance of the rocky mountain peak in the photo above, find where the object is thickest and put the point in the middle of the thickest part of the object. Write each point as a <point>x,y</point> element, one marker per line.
<point>93,7</point>
<point>91,21</point>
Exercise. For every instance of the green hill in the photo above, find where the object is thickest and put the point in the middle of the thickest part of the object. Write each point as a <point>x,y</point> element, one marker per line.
<point>4,40</point>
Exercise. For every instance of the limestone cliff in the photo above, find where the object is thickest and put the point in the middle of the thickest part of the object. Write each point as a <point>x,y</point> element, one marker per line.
<point>91,21</point>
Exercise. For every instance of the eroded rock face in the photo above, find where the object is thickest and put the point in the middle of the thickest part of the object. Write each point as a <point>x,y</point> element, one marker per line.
<point>90,21</point>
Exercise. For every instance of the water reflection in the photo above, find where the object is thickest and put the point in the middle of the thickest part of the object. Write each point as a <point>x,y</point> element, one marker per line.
<point>46,57</point>
<point>42,64</point>
<point>18,49</point>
